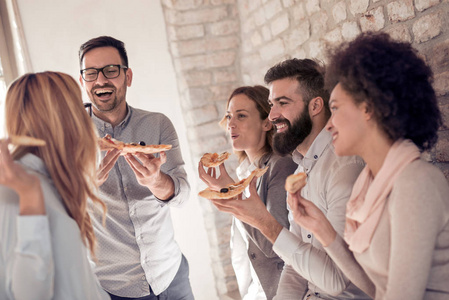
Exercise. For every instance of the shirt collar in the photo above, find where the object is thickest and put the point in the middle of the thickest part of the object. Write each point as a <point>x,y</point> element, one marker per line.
<point>123,123</point>
<point>315,151</point>
<point>245,168</point>
<point>34,163</point>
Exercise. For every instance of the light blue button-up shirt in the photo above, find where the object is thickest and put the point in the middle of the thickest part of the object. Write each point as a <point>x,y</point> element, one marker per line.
<point>136,248</point>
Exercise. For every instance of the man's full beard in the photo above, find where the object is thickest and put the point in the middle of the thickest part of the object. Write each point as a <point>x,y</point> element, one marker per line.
<point>285,142</point>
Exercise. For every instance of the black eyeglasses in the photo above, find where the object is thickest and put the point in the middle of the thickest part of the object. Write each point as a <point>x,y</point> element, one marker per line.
<point>110,72</point>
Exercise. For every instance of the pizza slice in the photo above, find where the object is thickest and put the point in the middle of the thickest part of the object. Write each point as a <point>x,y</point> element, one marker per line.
<point>233,189</point>
<point>109,143</point>
<point>211,160</point>
<point>22,140</point>
<point>295,182</point>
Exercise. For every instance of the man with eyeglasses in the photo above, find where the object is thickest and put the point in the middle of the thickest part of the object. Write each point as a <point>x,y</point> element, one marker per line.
<point>137,255</point>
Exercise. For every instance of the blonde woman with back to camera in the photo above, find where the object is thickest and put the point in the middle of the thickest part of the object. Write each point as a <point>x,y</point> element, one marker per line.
<point>45,228</point>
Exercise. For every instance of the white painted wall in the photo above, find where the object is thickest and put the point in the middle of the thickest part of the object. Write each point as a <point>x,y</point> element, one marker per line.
<point>55,29</point>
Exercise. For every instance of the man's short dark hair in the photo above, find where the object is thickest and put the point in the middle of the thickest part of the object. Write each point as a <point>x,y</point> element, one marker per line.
<point>103,41</point>
<point>310,75</point>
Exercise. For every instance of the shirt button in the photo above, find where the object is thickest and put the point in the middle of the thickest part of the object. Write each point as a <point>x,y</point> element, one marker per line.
<point>315,156</point>
<point>309,235</point>
<point>253,256</point>
<point>143,277</point>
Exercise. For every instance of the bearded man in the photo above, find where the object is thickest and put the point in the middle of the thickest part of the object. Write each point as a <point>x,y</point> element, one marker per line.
<point>299,110</point>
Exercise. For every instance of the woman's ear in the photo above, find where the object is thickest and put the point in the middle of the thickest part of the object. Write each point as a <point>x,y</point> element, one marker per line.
<point>367,110</point>
<point>267,125</point>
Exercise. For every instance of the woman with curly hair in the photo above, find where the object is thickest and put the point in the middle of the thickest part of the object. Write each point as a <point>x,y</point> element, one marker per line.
<point>45,228</point>
<point>384,109</point>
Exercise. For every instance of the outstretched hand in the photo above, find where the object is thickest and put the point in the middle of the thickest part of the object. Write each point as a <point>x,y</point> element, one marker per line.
<point>26,185</point>
<point>211,179</point>
<point>307,215</point>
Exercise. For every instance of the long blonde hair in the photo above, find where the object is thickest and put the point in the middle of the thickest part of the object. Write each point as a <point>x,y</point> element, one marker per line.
<point>49,106</point>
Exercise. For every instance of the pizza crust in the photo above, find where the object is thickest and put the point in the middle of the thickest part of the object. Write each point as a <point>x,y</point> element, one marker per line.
<point>233,189</point>
<point>211,160</point>
<point>108,143</point>
<point>22,140</point>
<point>295,182</point>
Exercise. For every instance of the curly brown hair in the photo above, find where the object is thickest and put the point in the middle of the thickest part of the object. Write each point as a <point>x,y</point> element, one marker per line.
<point>395,83</point>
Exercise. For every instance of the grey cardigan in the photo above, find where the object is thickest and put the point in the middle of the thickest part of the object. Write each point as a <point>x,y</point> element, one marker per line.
<point>265,261</point>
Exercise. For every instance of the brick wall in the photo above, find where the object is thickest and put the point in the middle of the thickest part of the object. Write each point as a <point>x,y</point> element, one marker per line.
<point>218,45</point>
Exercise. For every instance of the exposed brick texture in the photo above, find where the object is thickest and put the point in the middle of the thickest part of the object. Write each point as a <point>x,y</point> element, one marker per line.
<point>218,45</point>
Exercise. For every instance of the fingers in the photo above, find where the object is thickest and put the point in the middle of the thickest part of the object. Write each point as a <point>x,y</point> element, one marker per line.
<point>163,157</point>
<point>223,170</point>
<point>4,151</point>
<point>110,159</point>
<point>147,164</point>
<point>136,166</point>
<point>106,165</point>
<point>253,186</point>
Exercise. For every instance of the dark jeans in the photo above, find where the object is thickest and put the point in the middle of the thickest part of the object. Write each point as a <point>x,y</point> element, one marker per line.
<point>179,288</point>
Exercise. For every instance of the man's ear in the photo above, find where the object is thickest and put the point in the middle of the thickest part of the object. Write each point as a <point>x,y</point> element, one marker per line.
<point>316,105</point>
<point>267,125</point>
<point>81,81</point>
<point>129,77</point>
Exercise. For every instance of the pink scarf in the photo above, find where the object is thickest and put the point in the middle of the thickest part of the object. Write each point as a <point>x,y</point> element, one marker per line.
<point>368,197</point>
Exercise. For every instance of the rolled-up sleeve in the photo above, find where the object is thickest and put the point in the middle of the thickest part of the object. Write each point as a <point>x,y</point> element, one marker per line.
<point>174,167</point>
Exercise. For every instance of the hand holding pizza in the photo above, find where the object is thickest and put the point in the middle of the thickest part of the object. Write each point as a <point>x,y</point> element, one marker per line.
<point>107,164</point>
<point>26,185</point>
<point>251,210</point>
<point>305,213</point>
<point>211,179</point>
<point>148,173</point>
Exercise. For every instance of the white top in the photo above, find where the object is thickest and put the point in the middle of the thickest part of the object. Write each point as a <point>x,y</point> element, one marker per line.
<point>249,284</point>
<point>43,257</point>
<point>309,270</point>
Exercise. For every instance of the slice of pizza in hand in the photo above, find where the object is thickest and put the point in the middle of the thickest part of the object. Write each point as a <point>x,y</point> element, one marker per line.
<point>109,143</point>
<point>22,140</point>
<point>211,160</point>
<point>233,189</point>
<point>295,182</point>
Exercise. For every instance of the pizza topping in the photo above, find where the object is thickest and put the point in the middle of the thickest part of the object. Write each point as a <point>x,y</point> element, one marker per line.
<point>109,143</point>
<point>233,189</point>
<point>142,143</point>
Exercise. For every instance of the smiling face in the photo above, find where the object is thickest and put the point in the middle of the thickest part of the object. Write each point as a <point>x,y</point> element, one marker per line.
<point>289,114</point>
<point>245,127</point>
<point>106,95</point>
<point>348,123</point>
